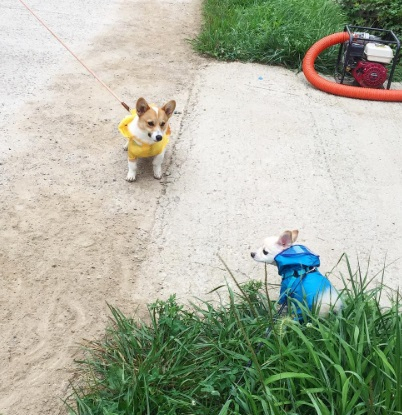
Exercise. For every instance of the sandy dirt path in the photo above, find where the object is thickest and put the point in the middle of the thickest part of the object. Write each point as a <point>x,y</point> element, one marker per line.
<point>73,231</point>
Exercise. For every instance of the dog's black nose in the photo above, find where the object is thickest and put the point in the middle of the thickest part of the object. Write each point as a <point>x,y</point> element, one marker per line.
<point>158,138</point>
<point>252,254</point>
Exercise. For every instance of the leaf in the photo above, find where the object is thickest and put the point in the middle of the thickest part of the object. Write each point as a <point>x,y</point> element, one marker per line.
<point>225,408</point>
<point>287,375</point>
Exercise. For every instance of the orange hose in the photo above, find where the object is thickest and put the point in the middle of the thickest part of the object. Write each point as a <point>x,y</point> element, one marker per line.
<point>339,89</point>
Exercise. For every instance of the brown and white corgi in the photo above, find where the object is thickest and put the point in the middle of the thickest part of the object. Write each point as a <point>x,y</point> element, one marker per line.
<point>147,131</point>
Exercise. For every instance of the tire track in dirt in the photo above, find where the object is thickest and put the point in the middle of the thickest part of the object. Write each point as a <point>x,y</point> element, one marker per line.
<point>74,232</point>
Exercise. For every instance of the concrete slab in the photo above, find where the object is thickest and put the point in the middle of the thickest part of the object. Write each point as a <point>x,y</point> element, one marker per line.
<point>262,151</point>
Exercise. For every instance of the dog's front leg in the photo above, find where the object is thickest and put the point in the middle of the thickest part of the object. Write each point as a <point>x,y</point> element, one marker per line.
<point>157,164</point>
<point>132,170</point>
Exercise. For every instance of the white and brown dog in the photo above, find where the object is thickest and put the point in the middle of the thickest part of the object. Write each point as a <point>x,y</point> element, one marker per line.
<point>147,131</point>
<point>298,267</point>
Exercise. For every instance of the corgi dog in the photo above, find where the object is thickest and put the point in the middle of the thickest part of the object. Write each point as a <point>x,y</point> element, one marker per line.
<point>298,267</point>
<point>147,131</point>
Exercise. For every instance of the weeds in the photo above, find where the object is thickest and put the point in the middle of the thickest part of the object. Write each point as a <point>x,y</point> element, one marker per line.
<point>196,360</point>
<point>269,31</point>
<point>386,14</point>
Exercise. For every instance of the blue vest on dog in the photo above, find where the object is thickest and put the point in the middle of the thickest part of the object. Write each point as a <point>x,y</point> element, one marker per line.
<point>300,278</point>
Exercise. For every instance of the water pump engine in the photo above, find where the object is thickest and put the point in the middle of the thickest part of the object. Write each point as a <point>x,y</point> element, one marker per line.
<point>365,59</point>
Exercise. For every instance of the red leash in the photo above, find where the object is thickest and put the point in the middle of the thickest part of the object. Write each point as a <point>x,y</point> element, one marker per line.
<point>75,56</point>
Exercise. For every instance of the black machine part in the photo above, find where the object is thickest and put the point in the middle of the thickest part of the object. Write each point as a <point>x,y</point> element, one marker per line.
<point>352,51</point>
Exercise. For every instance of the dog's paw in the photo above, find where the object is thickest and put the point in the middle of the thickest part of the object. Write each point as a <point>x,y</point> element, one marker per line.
<point>130,177</point>
<point>158,173</point>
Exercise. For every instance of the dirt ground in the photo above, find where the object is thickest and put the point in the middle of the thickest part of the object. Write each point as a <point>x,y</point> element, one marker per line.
<point>255,150</point>
<point>73,230</point>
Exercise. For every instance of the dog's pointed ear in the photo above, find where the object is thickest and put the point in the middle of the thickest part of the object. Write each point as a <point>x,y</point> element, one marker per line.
<point>169,107</point>
<point>295,234</point>
<point>285,239</point>
<point>141,107</point>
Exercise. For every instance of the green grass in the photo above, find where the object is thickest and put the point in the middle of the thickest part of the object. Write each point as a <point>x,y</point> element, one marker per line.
<point>268,31</point>
<point>195,360</point>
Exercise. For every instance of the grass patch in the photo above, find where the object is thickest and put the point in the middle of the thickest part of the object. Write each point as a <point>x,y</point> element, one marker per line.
<point>217,360</point>
<point>268,31</point>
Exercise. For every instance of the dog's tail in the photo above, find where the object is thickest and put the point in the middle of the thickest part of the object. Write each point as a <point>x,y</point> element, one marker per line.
<point>329,301</point>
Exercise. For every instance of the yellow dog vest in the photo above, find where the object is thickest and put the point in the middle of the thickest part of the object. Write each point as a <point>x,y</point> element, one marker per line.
<point>142,150</point>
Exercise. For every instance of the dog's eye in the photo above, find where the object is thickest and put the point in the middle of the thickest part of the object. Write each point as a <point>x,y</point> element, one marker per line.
<point>151,123</point>
<point>163,124</point>
<point>265,252</point>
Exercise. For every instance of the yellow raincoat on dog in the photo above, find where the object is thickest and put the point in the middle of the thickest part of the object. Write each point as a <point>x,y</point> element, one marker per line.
<point>138,149</point>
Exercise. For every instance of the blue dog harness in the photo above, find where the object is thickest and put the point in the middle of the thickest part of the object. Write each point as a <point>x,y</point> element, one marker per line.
<point>301,279</point>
